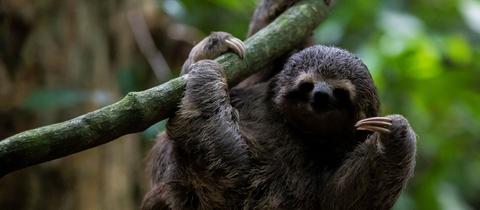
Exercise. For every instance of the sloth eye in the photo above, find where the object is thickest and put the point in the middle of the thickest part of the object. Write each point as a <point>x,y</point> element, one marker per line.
<point>341,94</point>
<point>305,87</point>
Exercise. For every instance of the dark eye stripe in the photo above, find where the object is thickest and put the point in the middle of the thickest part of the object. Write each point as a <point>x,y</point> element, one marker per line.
<point>341,94</point>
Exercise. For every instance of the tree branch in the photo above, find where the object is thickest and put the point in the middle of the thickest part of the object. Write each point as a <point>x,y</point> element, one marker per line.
<point>139,110</point>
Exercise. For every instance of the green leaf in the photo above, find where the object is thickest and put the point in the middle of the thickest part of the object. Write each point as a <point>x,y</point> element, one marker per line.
<point>458,49</point>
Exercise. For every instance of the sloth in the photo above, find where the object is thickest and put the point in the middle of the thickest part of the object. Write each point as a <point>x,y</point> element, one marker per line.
<point>303,134</point>
<point>308,138</point>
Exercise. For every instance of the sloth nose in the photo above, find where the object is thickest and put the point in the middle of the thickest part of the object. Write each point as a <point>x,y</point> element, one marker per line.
<point>322,97</point>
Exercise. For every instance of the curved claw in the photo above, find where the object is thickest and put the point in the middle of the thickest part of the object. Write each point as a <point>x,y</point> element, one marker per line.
<point>385,119</point>
<point>375,124</point>
<point>236,45</point>
<point>374,129</point>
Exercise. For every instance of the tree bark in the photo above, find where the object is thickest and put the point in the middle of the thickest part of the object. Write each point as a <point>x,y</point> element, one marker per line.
<point>139,110</point>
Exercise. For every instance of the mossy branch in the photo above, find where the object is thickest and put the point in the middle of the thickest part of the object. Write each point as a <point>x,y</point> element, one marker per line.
<point>139,110</point>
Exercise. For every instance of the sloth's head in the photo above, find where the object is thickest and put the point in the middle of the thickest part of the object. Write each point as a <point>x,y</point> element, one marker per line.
<point>325,90</point>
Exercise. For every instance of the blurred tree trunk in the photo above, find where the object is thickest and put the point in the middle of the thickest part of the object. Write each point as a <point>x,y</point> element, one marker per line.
<point>68,44</point>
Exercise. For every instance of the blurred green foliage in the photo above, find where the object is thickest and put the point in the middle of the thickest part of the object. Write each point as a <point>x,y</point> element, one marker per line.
<point>212,15</point>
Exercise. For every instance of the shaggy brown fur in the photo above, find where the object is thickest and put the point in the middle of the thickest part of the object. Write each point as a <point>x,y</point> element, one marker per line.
<point>291,142</point>
<point>285,148</point>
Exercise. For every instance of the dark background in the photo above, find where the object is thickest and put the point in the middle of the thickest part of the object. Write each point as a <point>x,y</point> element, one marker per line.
<point>60,59</point>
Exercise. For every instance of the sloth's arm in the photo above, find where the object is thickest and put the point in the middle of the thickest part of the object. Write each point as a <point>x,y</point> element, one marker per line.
<point>206,125</point>
<point>201,156</point>
<point>376,172</point>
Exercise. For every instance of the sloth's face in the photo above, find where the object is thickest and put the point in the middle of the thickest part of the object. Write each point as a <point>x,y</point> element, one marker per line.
<point>317,95</point>
<point>319,105</point>
<point>325,90</point>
